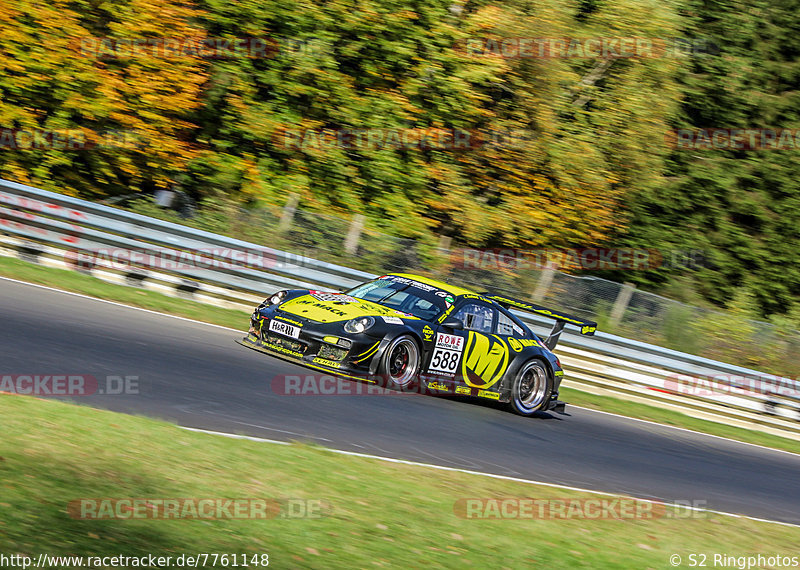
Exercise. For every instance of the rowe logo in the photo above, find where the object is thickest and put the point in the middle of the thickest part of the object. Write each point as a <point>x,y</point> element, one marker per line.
<point>486,360</point>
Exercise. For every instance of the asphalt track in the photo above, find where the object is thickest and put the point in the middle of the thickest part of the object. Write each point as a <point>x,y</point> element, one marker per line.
<point>195,375</point>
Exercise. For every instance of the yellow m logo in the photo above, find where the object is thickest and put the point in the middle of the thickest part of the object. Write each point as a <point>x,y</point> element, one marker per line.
<point>485,361</point>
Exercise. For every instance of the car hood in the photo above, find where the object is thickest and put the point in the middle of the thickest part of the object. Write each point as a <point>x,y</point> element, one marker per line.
<point>333,307</point>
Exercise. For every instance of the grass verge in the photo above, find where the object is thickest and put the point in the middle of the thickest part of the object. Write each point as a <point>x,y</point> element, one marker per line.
<point>88,285</point>
<point>376,513</point>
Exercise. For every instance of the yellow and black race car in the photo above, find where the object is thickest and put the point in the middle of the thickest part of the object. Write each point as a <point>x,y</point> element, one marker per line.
<point>407,332</point>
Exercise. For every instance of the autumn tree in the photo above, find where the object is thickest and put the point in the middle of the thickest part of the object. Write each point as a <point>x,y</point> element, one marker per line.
<point>64,70</point>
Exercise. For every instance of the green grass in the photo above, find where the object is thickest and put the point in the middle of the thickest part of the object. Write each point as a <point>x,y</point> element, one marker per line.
<point>376,513</point>
<point>85,284</point>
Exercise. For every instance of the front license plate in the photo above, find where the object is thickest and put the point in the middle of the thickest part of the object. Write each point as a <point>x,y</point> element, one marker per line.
<point>284,329</point>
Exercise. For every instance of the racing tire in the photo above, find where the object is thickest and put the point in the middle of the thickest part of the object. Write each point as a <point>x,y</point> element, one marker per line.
<point>531,390</point>
<point>400,364</point>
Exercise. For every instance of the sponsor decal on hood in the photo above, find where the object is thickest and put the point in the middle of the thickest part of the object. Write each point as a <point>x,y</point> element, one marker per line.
<point>337,308</point>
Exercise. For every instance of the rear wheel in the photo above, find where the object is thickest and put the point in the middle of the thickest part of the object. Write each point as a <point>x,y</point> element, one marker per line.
<point>531,390</point>
<point>400,364</point>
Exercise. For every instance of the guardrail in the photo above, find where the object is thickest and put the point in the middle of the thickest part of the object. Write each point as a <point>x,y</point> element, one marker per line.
<point>69,232</point>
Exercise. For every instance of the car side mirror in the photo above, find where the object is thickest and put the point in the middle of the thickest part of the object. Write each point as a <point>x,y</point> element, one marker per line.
<point>455,324</point>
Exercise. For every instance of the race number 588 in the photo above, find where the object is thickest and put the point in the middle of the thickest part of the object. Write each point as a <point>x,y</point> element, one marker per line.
<point>444,360</point>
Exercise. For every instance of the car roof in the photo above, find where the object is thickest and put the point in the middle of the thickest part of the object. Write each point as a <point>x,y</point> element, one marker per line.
<point>457,291</point>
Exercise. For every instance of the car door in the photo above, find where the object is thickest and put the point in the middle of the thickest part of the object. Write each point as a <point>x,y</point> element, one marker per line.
<point>464,356</point>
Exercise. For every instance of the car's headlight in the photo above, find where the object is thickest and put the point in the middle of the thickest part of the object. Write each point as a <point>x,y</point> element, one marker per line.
<point>274,299</point>
<point>358,325</point>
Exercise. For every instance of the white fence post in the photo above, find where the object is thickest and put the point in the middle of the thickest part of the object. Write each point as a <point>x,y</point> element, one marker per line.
<point>288,213</point>
<point>351,241</point>
<point>621,304</point>
<point>545,280</point>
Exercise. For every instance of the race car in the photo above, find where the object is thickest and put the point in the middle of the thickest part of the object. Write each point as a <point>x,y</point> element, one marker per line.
<point>406,332</point>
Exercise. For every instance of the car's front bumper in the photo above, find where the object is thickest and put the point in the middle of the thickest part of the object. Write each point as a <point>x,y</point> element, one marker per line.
<point>321,346</point>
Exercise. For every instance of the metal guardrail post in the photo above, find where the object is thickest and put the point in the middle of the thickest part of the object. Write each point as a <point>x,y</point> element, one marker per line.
<point>30,252</point>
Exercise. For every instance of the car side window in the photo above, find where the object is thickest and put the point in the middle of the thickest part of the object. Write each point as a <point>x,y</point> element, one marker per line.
<point>508,327</point>
<point>476,317</point>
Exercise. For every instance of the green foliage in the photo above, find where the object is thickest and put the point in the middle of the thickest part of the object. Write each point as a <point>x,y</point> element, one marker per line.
<point>677,329</point>
<point>578,157</point>
<point>383,67</point>
<point>741,207</point>
<point>122,121</point>
<point>728,335</point>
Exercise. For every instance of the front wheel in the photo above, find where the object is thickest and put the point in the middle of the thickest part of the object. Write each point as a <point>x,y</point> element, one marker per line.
<point>400,363</point>
<point>531,390</point>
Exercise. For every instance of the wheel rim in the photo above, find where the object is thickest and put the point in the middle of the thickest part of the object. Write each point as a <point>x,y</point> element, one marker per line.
<point>402,362</point>
<point>531,389</point>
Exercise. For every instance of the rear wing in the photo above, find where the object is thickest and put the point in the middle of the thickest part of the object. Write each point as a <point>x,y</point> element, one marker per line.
<point>587,327</point>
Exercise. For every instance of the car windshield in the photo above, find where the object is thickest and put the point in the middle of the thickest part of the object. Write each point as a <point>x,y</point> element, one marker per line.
<point>419,299</point>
